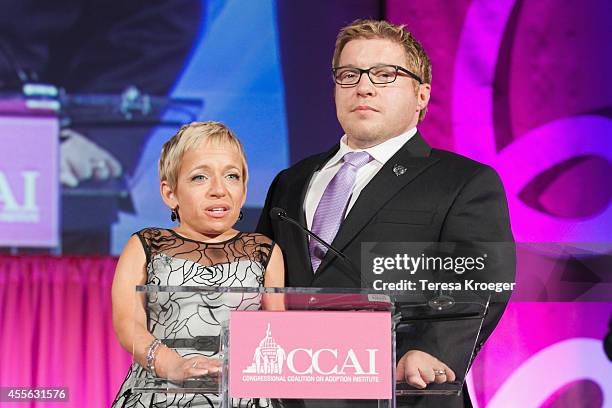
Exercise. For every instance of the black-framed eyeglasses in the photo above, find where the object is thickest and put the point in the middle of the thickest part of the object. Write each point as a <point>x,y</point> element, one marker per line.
<point>380,74</point>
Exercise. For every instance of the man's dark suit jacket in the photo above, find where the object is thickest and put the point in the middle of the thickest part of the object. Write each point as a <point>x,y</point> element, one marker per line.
<point>441,197</point>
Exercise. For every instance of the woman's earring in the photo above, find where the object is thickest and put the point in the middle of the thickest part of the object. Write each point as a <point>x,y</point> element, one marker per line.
<point>240,216</point>
<point>174,214</point>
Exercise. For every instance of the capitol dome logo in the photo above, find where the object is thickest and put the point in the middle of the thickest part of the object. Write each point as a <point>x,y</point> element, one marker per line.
<point>268,357</point>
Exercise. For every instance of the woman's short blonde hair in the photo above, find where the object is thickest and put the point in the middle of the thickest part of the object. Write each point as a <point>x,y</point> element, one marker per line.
<point>417,59</point>
<point>190,136</point>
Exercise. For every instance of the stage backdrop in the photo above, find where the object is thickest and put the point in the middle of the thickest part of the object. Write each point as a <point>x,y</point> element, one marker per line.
<point>235,70</point>
<point>123,78</point>
<point>522,86</point>
<point>525,87</point>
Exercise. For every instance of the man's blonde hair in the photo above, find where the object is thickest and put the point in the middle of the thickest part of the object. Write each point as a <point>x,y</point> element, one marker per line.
<point>417,60</point>
<point>189,136</point>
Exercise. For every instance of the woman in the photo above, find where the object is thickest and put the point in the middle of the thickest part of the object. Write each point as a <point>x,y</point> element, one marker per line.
<point>203,176</point>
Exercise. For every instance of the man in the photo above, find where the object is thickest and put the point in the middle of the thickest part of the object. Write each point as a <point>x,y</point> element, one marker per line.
<point>384,183</point>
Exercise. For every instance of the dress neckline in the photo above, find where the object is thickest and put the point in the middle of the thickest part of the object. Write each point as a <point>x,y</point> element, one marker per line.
<point>176,234</point>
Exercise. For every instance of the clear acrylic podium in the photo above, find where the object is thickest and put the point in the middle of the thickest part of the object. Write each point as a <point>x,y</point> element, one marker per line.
<point>198,321</point>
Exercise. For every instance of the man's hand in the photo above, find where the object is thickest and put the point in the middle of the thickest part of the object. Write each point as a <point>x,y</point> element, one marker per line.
<point>81,159</point>
<point>418,369</point>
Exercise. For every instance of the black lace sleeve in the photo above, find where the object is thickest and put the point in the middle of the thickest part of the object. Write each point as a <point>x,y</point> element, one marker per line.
<point>265,247</point>
<point>143,237</point>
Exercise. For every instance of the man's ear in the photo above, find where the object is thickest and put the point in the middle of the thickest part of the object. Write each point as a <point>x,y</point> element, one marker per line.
<point>423,96</point>
<point>168,195</point>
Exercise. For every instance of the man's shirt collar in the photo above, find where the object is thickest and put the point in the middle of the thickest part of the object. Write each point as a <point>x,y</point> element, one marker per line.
<point>381,152</point>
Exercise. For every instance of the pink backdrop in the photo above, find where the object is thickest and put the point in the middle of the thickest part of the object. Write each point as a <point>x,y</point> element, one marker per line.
<point>56,328</point>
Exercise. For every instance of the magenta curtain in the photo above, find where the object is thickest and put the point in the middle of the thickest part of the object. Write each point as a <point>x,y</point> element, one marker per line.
<point>56,328</point>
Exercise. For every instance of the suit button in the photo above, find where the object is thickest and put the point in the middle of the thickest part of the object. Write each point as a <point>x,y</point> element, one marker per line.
<point>313,300</point>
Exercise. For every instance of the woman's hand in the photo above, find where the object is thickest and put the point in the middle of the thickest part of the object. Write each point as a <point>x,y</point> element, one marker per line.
<point>177,369</point>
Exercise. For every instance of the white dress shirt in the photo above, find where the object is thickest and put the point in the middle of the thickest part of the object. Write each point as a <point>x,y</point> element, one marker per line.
<point>380,153</point>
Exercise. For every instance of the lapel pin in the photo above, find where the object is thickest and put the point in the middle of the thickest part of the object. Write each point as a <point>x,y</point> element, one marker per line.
<point>398,169</point>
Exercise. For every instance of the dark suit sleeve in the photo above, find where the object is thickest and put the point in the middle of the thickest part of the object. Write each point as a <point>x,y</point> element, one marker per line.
<point>480,211</point>
<point>479,215</point>
<point>264,226</point>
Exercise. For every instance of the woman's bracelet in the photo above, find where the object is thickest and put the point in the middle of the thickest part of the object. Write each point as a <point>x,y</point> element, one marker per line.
<point>151,350</point>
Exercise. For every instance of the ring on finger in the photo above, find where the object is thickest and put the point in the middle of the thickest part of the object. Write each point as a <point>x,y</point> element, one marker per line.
<point>439,372</point>
<point>195,364</point>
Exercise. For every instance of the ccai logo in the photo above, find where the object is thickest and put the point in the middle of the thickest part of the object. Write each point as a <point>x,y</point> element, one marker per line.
<point>13,211</point>
<point>269,358</point>
<point>290,356</point>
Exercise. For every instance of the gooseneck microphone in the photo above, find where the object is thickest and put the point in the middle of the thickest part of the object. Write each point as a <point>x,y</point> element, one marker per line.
<point>277,213</point>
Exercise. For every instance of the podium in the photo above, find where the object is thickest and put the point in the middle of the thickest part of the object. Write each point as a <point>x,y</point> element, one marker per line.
<point>309,343</point>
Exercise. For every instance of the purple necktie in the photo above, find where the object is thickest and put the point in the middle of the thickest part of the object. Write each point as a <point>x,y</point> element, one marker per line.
<point>332,207</point>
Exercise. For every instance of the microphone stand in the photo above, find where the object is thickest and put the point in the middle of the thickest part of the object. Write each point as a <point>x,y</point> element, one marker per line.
<point>277,213</point>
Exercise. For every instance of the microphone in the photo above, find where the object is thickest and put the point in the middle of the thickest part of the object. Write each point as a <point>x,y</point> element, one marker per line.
<point>278,213</point>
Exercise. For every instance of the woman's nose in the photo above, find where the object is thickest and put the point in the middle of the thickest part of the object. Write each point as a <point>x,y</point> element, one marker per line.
<point>217,188</point>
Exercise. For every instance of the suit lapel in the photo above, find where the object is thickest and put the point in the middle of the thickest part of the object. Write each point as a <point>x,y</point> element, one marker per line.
<point>403,167</point>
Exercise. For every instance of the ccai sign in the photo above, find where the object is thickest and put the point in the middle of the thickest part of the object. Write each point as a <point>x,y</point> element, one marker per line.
<point>29,182</point>
<point>310,354</point>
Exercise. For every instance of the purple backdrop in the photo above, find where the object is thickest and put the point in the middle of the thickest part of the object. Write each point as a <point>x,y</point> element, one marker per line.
<point>524,87</point>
